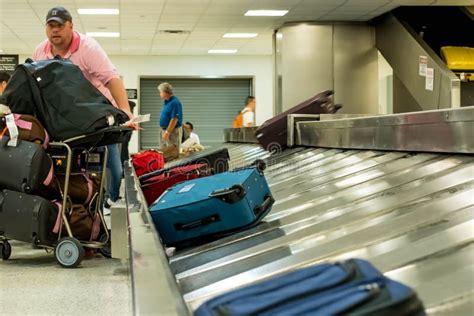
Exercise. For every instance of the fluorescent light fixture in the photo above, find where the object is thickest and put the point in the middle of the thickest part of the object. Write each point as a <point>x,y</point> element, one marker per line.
<point>240,35</point>
<point>266,12</point>
<point>98,11</point>
<point>279,35</point>
<point>211,77</point>
<point>222,51</point>
<point>103,34</point>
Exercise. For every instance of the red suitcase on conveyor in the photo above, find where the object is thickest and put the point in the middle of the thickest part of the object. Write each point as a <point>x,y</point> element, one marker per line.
<point>272,134</point>
<point>153,187</point>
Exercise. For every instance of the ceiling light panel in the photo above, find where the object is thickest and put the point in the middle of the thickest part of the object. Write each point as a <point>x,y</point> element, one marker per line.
<point>266,12</point>
<point>222,51</point>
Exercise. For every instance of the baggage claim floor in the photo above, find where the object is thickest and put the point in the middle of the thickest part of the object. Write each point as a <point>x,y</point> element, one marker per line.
<point>409,213</point>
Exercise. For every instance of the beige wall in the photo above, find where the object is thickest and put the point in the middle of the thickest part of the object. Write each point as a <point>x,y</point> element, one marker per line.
<point>340,57</point>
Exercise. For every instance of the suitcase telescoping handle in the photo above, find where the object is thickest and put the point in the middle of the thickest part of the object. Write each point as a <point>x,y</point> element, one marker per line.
<point>232,195</point>
<point>269,200</point>
<point>198,223</point>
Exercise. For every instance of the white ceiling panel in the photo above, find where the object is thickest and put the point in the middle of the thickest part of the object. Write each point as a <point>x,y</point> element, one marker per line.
<point>184,9</point>
<point>103,4</point>
<point>413,2</point>
<point>192,3</point>
<point>309,3</point>
<point>341,17</point>
<point>228,11</point>
<point>164,52</point>
<point>193,51</point>
<point>180,18</point>
<point>366,2</point>
<point>455,2</point>
<point>204,38</point>
<point>229,19</point>
<point>235,42</point>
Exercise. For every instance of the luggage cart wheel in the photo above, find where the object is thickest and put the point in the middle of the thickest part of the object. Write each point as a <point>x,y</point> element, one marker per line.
<point>6,250</point>
<point>106,251</point>
<point>69,252</point>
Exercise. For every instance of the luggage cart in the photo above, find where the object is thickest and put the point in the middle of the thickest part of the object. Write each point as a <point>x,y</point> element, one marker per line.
<point>69,250</point>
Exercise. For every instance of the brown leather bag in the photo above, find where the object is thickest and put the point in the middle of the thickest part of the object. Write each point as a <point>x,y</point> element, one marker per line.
<point>29,129</point>
<point>170,152</point>
<point>83,225</point>
<point>82,188</point>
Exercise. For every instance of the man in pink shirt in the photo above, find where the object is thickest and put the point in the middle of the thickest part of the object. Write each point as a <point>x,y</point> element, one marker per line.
<point>96,66</point>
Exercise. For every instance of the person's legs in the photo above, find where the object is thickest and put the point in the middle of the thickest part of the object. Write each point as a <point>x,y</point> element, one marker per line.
<point>175,140</point>
<point>114,164</point>
<point>175,137</point>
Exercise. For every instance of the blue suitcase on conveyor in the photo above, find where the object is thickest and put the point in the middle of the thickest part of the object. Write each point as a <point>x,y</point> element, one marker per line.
<point>352,287</point>
<point>207,208</point>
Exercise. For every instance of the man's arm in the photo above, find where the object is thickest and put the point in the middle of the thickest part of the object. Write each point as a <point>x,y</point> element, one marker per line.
<point>172,125</point>
<point>170,128</point>
<point>117,89</point>
<point>248,119</point>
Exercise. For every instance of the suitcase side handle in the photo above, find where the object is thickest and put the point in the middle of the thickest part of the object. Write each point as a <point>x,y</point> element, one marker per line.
<point>258,164</point>
<point>231,196</point>
<point>262,209</point>
<point>200,222</point>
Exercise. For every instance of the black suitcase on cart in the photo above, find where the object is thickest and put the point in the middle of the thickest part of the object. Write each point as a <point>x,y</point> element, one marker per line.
<point>272,134</point>
<point>216,160</point>
<point>27,218</point>
<point>24,168</point>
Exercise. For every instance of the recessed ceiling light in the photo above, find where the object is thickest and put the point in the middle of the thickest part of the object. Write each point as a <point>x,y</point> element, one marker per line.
<point>103,34</point>
<point>240,35</point>
<point>98,11</point>
<point>222,51</point>
<point>266,12</point>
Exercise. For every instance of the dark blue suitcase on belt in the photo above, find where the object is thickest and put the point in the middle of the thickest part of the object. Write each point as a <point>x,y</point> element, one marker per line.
<point>353,287</point>
<point>207,208</point>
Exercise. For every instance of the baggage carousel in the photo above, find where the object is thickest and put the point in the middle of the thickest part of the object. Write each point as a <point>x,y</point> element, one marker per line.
<point>397,190</point>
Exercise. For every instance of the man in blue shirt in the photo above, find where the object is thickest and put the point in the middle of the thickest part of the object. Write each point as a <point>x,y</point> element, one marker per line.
<point>171,117</point>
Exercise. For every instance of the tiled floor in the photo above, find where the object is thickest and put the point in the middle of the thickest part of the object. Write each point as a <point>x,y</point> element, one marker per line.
<point>33,283</point>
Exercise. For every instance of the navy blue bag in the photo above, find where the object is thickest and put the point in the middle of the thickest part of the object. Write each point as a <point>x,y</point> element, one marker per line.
<point>207,208</point>
<point>352,287</point>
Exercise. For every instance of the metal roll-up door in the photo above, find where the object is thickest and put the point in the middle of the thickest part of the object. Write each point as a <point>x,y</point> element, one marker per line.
<point>210,104</point>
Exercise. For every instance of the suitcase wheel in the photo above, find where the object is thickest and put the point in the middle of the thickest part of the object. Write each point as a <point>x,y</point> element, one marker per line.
<point>25,188</point>
<point>261,165</point>
<point>106,251</point>
<point>6,250</point>
<point>69,252</point>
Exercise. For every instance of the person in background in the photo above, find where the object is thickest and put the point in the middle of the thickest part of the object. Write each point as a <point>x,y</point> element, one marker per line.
<point>171,117</point>
<point>4,78</point>
<point>193,137</point>
<point>245,118</point>
<point>83,51</point>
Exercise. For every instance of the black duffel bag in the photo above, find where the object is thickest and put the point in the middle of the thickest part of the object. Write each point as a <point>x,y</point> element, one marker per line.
<point>58,94</point>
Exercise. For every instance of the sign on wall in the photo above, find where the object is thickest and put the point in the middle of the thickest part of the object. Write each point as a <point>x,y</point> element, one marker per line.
<point>132,94</point>
<point>8,63</point>
<point>422,65</point>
